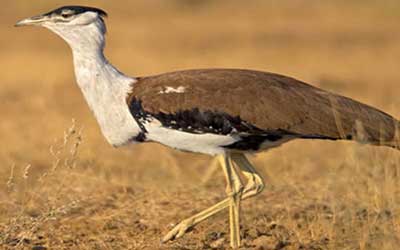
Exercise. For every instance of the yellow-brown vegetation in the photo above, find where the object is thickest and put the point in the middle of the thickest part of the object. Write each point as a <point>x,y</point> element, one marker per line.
<point>63,187</point>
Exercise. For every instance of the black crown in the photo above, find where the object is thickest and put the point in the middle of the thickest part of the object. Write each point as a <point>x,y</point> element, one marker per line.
<point>76,10</point>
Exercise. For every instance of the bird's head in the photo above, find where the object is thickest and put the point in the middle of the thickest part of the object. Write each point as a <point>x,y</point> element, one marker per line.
<point>78,25</point>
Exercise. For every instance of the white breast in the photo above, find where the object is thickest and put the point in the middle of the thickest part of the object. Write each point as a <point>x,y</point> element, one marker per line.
<point>105,90</point>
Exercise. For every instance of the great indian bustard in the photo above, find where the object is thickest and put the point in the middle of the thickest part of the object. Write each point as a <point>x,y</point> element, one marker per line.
<point>221,112</point>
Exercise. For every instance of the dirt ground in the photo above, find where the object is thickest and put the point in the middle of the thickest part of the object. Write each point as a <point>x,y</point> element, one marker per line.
<point>63,187</point>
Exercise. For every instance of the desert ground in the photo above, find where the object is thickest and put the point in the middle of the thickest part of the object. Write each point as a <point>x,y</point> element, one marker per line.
<point>63,187</point>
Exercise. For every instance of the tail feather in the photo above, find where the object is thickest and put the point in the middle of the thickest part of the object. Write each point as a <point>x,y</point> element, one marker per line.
<point>395,145</point>
<point>380,130</point>
<point>389,136</point>
<point>365,124</point>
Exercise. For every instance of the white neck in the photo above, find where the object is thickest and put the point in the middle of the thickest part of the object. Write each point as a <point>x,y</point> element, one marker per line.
<point>103,86</point>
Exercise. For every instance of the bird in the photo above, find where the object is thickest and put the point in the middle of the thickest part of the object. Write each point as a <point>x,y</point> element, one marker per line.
<point>222,112</point>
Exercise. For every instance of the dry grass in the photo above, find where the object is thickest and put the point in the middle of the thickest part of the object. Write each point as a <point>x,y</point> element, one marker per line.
<point>83,194</point>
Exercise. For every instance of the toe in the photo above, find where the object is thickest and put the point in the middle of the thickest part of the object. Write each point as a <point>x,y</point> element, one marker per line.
<point>177,232</point>
<point>170,235</point>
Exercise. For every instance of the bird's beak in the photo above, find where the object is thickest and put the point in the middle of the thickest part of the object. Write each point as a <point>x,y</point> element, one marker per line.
<point>36,20</point>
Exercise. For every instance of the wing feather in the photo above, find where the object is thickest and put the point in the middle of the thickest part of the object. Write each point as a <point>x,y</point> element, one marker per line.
<point>267,101</point>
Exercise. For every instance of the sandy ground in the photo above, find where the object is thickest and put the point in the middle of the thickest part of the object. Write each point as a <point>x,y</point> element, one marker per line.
<point>63,187</point>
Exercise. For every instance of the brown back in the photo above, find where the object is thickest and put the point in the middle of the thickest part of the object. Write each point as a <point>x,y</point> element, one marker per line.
<point>267,101</point>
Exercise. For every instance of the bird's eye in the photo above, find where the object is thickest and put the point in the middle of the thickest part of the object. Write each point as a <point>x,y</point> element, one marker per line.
<point>66,15</point>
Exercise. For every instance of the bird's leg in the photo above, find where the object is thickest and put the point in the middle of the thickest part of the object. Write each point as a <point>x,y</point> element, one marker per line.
<point>180,229</point>
<point>234,190</point>
<point>211,170</point>
<point>255,183</point>
<point>253,187</point>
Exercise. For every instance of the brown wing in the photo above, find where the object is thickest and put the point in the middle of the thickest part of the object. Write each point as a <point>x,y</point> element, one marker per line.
<point>265,100</point>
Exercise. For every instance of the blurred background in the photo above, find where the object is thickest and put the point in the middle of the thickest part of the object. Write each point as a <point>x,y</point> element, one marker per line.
<point>49,162</point>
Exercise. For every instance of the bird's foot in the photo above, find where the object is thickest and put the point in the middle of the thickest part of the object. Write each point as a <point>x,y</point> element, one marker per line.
<point>179,230</point>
